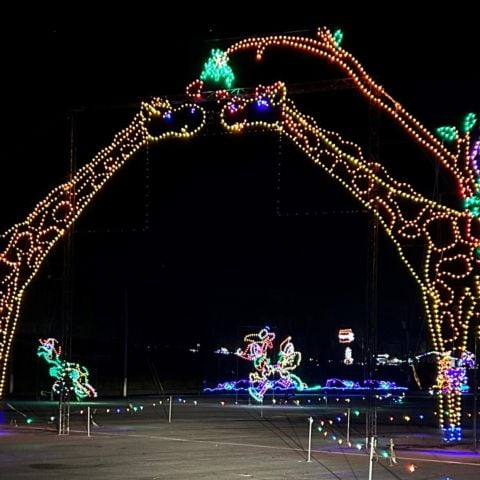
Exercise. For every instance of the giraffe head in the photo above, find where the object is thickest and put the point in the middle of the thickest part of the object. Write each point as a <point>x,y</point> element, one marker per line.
<point>260,111</point>
<point>161,120</point>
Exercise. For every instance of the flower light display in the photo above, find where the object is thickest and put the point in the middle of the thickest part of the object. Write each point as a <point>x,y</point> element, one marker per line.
<point>24,246</point>
<point>449,277</point>
<point>70,378</point>
<point>268,375</point>
<point>452,373</point>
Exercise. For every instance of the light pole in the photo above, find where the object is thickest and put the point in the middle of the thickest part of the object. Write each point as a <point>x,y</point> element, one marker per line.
<point>475,387</point>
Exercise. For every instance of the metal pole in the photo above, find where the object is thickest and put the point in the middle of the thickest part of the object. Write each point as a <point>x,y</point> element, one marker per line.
<point>88,421</point>
<point>68,416</point>
<point>170,410</point>
<point>60,416</point>
<point>261,409</point>
<point>475,391</point>
<point>125,351</point>
<point>348,425</point>
<point>370,466</point>
<point>309,457</point>
<point>366,428</point>
<point>11,382</point>
<point>63,415</point>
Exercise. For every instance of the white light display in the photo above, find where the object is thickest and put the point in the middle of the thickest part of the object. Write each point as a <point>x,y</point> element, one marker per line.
<point>348,360</point>
<point>346,335</point>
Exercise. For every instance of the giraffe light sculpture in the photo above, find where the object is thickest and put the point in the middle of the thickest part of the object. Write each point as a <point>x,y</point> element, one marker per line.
<point>449,278</point>
<point>24,247</point>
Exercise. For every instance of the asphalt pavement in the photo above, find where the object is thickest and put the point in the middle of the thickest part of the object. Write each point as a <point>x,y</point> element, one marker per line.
<point>217,438</point>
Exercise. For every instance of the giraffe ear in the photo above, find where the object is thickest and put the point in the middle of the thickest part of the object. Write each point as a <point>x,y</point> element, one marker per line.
<point>155,107</point>
<point>277,93</point>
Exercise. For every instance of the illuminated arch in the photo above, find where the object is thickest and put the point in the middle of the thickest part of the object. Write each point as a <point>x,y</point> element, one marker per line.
<point>449,279</point>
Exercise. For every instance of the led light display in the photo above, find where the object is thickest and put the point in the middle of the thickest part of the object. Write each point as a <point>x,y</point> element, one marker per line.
<point>24,246</point>
<point>338,37</point>
<point>70,378</point>
<point>348,360</point>
<point>346,335</point>
<point>268,375</point>
<point>448,280</point>
<point>332,384</point>
<point>449,277</point>
<point>217,69</point>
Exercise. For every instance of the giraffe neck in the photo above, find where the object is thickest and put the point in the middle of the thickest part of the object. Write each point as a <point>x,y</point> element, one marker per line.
<point>26,244</point>
<point>407,217</point>
<point>64,204</point>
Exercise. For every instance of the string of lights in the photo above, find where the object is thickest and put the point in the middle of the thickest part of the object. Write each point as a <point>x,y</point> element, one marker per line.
<point>449,280</point>
<point>268,375</point>
<point>70,378</point>
<point>26,244</point>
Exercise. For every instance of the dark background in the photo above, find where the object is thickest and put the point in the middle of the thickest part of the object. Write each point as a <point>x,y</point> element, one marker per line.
<point>205,241</point>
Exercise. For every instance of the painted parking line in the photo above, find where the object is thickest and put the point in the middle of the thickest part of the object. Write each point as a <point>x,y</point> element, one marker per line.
<point>273,447</point>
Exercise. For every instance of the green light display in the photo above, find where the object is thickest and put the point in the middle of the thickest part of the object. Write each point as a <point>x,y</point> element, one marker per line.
<point>469,122</point>
<point>473,203</point>
<point>217,69</point>
<point>338,37</point>
<point>448,134</point>
<point>70,378</point>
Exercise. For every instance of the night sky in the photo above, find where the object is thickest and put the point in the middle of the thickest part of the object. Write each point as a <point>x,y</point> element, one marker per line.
<point>202,242</point>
